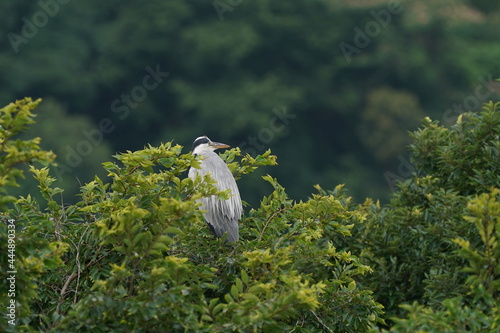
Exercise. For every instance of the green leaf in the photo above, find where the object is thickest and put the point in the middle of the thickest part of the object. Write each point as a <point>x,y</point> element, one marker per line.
<point>219,307</point>
<point>206,318</point>
<point>239,285</point>
<point>234,291</point>
<point>244,277</point>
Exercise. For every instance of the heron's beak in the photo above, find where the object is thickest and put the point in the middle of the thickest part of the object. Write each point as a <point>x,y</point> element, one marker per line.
<point>219,145</point>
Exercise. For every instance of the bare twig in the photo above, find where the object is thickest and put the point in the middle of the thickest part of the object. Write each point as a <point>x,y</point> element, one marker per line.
<point>66,284</point>
<point>64,289</point>
<point>77,260</point>
<point>269,221</point>
<point>321,322</point>
<point>74,275</point>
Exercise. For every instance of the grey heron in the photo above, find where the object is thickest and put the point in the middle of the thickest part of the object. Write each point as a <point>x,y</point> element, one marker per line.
<point>221,215</point>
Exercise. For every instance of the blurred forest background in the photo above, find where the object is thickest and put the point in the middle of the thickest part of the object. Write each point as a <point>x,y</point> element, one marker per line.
<point>332,87</point>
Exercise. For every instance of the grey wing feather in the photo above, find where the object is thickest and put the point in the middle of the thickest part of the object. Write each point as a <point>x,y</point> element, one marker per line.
<point>222,215</point>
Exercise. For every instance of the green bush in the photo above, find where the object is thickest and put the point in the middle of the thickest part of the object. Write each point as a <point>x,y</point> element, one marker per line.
<point>410,244</point>
<point>29,255</point>
<point>14,119</point>
<point>478,310</point>
<point>134,254</point>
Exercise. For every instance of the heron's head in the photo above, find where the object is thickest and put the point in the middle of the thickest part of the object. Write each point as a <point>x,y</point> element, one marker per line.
<point>203,144</point>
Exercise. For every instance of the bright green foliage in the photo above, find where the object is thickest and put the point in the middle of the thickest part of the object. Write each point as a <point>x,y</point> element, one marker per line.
<point>64,133</point>
<point>134,254</point>
<point>485,214</point>
<point>29,254</point>
<point>13,151</point>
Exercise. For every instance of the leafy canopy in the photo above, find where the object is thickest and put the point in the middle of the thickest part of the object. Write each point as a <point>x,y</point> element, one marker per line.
<point>134,254</point>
